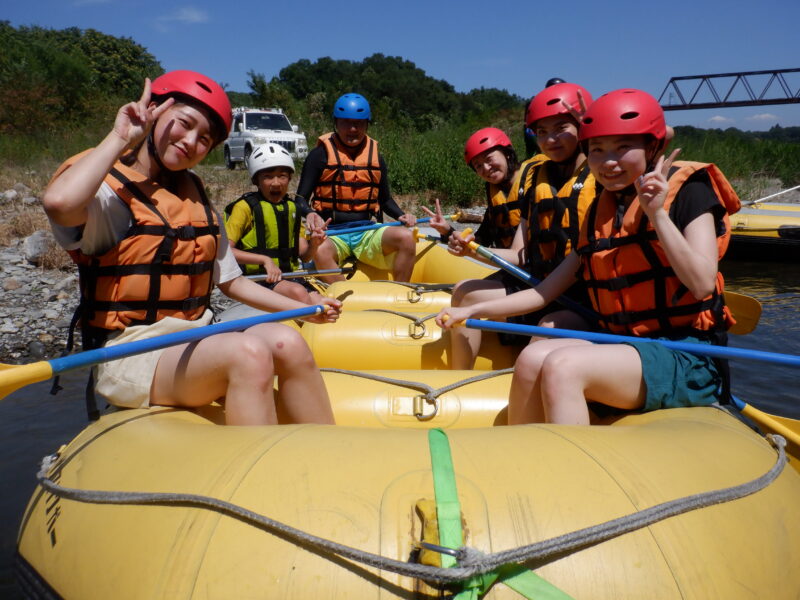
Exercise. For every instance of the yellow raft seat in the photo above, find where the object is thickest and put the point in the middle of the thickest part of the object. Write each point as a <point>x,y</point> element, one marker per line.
<point>371,488</point>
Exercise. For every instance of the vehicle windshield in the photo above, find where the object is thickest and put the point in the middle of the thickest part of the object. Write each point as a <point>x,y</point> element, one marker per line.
<point>268,121</point>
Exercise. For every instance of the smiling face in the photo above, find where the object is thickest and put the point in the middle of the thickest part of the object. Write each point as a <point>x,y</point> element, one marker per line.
<point>557,136</point>
<point>491,166</point>
<point>183,136</point>
<point>617,160</point>
<point>351,131</point>
<point>274,183</point>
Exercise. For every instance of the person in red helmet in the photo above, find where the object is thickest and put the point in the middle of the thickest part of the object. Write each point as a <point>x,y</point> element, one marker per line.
<point>648,252</point>
<point>491,155</point>
<point>558,188</point>
<point>149,249</point>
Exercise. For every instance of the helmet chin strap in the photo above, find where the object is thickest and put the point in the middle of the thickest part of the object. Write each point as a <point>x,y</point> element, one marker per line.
<point>167,174</point>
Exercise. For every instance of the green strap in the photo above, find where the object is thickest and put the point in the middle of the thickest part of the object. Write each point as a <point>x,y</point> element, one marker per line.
<point>448,513</point>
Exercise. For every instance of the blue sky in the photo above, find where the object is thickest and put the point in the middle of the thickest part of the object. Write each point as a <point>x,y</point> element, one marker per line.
<point>603,45</point>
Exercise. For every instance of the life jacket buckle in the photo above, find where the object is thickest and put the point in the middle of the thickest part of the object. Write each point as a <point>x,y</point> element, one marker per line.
<point>413,296</point>
<point>187,232</point>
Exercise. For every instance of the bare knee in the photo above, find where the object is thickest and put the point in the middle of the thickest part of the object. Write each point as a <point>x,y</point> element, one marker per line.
<point>464,292</point>
<point>252,361</point>
<point>289,349</point>
<point>528,365</point>
<point>558,370</point>
<point>295,291</point>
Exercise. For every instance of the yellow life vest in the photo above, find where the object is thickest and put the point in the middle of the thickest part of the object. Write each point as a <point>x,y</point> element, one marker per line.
<point>555,216</point>
<point>504,209</point>
<point>275,232</point>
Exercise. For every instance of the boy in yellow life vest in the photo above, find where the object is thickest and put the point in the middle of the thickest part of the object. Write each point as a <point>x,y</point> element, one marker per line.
<point>263,226</point>
<point>648,252</point>
<point>554,193</point>
<point>345,181</point>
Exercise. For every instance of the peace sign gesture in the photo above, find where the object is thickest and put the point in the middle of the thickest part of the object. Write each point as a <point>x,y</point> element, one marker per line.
<point>576,112</point>
<point>135,119</point>
<point>652,187</point>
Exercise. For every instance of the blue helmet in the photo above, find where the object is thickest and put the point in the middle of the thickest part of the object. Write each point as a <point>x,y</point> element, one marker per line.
<point>351,106</point>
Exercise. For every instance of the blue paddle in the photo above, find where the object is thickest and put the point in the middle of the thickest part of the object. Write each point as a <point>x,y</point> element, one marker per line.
<point>13,377</point>
<point>335,232</point>
<point>609,338</point>
<point>522,275</point>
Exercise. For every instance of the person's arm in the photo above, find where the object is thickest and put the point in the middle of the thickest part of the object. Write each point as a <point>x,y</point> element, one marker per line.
<point>519,303</point>
<point>388,205</point>
<point>692,254</point>
<point>312,171</point>
<point>68,195</point>
<point>250,293</point>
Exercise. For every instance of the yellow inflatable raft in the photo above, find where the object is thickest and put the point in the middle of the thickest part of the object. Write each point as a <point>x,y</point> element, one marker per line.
<point>368,485</point>
<point>170,504</point>
<point>772,228</point>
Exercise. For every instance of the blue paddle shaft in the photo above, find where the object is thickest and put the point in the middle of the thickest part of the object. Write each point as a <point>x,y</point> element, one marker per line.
<point>335,232</point>
<point>532,281</point>
<point>100,355</point>
<point>609,338</point>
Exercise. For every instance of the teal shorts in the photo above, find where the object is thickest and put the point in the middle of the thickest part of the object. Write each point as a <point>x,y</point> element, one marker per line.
<point>675,379</point>
<point>365,246</point>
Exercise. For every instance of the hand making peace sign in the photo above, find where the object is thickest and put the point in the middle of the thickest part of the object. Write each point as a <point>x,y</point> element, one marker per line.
<point>652,187</point>
<point>135,119</point>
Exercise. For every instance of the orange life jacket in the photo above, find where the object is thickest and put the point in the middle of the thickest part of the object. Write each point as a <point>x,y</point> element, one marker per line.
<point>348,184</point>
<point>163,267</point>
<point>504,208</point>
<point>555,217</point>
<point>630,282</point>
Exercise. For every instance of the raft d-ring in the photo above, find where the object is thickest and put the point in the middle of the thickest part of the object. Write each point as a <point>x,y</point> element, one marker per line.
<point>416,330</point>
<point>413,296</point>
<point>419,408</point>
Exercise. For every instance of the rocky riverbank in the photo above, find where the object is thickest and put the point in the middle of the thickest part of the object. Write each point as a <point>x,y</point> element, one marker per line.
<point>36,306</point>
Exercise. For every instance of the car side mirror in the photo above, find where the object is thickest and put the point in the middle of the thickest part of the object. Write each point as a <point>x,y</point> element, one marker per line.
<point>295,128</point>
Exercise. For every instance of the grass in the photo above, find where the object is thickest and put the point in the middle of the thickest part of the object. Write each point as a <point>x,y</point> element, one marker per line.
<point>422,165</point>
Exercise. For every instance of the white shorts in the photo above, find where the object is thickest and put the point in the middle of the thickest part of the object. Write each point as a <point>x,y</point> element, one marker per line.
<point>126,382</point>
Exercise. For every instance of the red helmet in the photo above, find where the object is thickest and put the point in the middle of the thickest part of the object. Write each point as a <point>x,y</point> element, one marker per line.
<point>624,112</point>
<point>547,103</point>
<point>198,87</point>
<point>483,140</point>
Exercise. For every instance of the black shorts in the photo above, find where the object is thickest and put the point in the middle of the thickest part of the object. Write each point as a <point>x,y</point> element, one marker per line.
<point>301,280</point>
<point>576,292</point>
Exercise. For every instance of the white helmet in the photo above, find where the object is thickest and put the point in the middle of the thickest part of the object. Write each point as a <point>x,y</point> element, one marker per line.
<point>268,156</point>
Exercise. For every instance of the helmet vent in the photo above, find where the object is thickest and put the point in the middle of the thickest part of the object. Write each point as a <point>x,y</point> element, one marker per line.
<point>204,86</point>
<point>553,101</point>
<point>629,115</point>
<point>588,120</point>
<point>484,140</point>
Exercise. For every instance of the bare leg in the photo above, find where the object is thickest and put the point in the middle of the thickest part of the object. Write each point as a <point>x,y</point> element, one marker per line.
<point>525,400</point>
<point>465,342</point>
<point>571,375</point>
<point>401,240</point>
<point>240,367</point>
<point>326,258</point>
<point>293,290</point>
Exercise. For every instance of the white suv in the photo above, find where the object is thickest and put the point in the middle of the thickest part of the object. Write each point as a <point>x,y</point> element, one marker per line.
<point>255,126</point>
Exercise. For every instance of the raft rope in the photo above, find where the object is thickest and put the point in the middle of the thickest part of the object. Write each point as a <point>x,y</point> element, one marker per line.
<point>431,394</point>
<point>472,562</point>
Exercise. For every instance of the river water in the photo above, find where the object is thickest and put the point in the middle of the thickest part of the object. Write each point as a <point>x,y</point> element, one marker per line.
<point>33,423</point>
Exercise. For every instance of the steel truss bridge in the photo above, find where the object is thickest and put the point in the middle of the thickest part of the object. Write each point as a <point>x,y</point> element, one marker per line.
<point>751,88</point>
